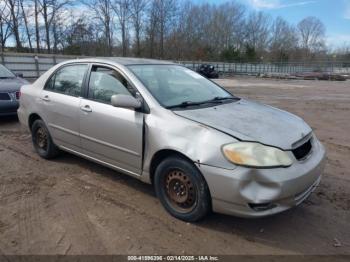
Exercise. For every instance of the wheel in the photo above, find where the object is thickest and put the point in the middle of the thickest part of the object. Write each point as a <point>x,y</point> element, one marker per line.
<point>182,189</point>
<point>42,141</point>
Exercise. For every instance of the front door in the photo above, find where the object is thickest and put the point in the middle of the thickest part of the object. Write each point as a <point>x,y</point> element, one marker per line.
<point>110,134</point>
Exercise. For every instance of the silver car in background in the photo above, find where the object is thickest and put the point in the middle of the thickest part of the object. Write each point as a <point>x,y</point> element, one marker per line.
<point>201,147</point>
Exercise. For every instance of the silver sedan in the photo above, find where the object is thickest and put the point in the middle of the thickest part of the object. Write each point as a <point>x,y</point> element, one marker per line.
<point>202,148</point>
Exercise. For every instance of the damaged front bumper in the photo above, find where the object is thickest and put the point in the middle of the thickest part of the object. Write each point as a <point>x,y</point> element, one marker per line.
<point>249,192</point>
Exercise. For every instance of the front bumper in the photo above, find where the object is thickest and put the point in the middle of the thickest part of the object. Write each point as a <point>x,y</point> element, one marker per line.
<point>8,107</point>
<point>239,191</point>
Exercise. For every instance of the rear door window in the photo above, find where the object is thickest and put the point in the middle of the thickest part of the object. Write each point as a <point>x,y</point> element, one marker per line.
<point>68,80</point>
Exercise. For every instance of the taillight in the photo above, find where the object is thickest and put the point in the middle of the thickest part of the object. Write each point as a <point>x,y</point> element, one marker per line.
<point>18,95</point>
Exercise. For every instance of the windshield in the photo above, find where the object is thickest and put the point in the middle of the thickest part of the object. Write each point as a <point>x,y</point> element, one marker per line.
<point>174,85</point>
<point>5,73</point>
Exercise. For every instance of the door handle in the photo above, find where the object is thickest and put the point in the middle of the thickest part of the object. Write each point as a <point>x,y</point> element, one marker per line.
<point>86,108</point>
<point>45,98</point>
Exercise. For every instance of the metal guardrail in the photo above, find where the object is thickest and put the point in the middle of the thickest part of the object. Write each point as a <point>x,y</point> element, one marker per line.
<point>34,65</point>
<point>274,68</point>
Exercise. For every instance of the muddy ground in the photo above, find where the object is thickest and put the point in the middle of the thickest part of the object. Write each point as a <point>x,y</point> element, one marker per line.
<point>72,206</point>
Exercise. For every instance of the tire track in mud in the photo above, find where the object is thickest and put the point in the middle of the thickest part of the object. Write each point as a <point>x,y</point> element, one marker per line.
<point>105,198</point>
<point>87,237</point>
<point>26,212</point>
<point>71,213</point>
<point>18,151</point>
<point>99,194</point>
<point>336,146</point>
<point>12,132</point>
<point>23,195</point>
<point>110,197</point>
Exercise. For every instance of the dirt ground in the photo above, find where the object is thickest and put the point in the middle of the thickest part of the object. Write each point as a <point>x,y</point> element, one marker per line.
<point>72,206</point>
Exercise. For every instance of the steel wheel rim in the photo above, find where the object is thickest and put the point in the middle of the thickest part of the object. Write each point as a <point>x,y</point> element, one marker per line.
<point>180,191</point>
<point>41,138</point>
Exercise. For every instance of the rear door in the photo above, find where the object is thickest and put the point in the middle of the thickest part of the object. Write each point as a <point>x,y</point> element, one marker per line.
<point>59,102</point>
<point>111,134</point>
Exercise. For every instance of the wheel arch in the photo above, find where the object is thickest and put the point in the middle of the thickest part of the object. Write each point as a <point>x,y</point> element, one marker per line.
<point>31,119</point>
<point>162,154</point>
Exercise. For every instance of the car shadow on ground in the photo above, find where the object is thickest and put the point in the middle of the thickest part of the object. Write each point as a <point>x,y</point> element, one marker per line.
<point>105,172</point>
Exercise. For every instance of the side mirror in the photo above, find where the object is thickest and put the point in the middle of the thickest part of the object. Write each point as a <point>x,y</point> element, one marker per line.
<point>19,75</point>
<point>125,101</point>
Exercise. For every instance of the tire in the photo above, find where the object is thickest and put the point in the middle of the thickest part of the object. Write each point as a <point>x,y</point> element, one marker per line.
<point>42,140</point>
<point>182,190</point>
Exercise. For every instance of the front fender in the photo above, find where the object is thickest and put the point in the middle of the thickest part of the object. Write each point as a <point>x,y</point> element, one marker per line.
<point>198,142</point>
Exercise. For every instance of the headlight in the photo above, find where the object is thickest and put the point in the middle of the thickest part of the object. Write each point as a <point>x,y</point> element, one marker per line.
<point>256,155</point>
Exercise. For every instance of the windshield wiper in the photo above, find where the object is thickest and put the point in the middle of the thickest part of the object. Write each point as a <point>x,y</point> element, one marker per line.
<point>215,100</point>
<point>218,99</point>
<point>5,77</point>
<point>185,104</point>
<point>222,98</point>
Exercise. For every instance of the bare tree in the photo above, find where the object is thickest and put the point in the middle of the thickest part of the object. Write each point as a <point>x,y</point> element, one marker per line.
<point>167,29</point>
<point>194,26</point>
<point>14,9</point>
<point>152,29</point>
<point>5,25</point>
<point>36,20</point>
<point>49,11</point>
<point>104,14</point>
<point>257,31</point>
<point>25,19</point>
<point>233,14</point>
<point>122,9</point>
<point>58,30</point>
<point>81,37</point>
<point>138,8</point>
<point>284,39</point>
<point>162,15</point>
<point>225,27</point>
<point>312,34</point>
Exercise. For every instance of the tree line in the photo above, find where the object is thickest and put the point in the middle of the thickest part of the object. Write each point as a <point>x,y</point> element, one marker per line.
<point>165,29</point>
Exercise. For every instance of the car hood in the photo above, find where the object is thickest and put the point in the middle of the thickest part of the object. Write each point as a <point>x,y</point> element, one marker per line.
<point>11,84</point>
<point>251,121</point>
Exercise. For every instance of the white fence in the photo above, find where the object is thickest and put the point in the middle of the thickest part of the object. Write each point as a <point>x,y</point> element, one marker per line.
<point>33,65</point>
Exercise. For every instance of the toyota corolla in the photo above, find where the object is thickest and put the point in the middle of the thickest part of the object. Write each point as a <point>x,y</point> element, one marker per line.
<point>202,148</point>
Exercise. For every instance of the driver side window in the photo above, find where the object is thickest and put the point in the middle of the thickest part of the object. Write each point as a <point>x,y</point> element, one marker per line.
<point>105,82</point>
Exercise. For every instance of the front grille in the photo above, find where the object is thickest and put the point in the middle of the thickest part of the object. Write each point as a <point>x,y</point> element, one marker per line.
<point>5,96</point>
<point>302,151</point>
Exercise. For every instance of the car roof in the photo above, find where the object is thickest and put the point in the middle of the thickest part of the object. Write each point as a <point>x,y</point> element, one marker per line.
<point>125,61</point>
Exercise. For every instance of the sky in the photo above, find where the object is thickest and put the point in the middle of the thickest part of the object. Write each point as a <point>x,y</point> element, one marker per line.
<point>335,14</point>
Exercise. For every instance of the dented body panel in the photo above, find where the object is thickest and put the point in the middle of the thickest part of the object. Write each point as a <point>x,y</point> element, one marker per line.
<point>283,188</point>
<point>199,134</point>
<point>251,121</point>
<point>166,131</point>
